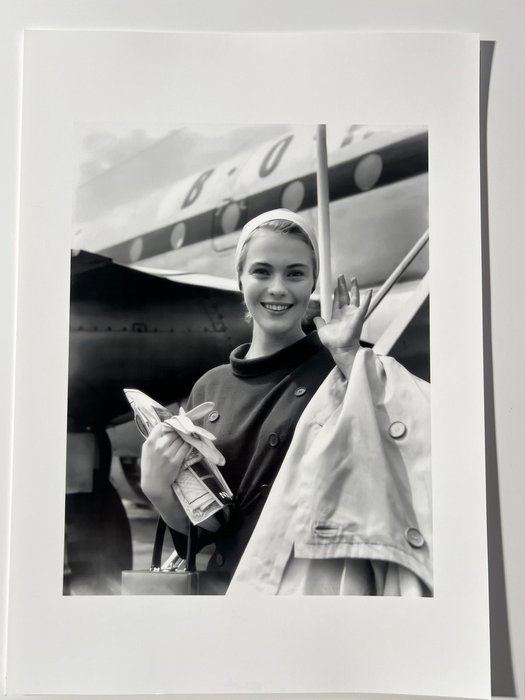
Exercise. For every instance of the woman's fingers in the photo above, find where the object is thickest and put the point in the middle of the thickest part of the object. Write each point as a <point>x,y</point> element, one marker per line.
<point>343,297</point>
<point>355,299</point>
<point>163,438</point>
<point>363,309</point>
<point>346,298</point>
<point>178,450</point>
<point>155,434</point>
<point>335,304</point>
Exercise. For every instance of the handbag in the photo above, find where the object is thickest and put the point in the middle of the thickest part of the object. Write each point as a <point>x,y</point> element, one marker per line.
<point>177,577</point>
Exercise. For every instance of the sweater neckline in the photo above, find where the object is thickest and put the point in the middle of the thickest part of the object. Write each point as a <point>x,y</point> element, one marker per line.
<point>289,357</point>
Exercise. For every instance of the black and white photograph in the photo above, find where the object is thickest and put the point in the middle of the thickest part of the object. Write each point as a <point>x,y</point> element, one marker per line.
<point>248,264</point>
<point>204,362</point>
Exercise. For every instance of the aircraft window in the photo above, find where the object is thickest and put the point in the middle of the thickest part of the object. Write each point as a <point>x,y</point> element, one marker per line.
<point>230,217</point>
<point>177,235</point>
<point>135,249</point>
<point>293,195</point>
<point>368,171</point>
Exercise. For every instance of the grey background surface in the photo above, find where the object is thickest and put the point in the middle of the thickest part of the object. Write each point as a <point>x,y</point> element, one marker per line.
<point>501,26</point>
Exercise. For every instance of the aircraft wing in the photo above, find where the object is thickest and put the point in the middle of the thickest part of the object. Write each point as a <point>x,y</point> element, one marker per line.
<point>194,279</point>
<point>129,328</point>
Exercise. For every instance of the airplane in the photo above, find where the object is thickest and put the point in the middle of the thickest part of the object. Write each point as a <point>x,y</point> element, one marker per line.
<point>155,303</point>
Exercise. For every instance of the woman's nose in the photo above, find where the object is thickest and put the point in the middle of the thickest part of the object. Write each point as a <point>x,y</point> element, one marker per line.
<point>277,286</point>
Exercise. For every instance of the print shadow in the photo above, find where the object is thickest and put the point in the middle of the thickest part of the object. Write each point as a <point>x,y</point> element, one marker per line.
<point>503,684</point>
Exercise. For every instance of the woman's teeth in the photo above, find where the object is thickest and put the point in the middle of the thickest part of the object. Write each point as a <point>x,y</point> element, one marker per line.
<point>277,307</point>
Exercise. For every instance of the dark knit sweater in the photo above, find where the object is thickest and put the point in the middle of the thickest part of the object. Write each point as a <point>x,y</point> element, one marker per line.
<point>257,406</point>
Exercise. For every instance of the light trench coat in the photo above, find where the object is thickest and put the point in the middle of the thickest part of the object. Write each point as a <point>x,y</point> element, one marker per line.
<point>351,509</point>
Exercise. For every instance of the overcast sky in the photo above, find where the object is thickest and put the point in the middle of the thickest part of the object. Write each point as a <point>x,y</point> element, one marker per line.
<point>109,173</point>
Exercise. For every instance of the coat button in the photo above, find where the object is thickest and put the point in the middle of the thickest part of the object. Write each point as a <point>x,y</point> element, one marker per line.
<point>213,416</point>
<point>414,537</point>
<point>219,559</point>
<point>273,439</point>
<point>300,391</point>
<point>397,429</point>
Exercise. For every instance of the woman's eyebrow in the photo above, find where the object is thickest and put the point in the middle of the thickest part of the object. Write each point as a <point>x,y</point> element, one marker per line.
<point>259,264</point>
<point>269,265</point>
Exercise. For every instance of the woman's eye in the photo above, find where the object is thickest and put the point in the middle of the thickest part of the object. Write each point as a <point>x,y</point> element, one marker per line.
<point>296,273</point>
<point>260,271</point>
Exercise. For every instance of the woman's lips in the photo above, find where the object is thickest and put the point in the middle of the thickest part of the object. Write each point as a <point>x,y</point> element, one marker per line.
<point>276,308</point>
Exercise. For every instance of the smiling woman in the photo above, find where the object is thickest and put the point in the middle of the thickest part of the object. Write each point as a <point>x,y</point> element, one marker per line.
<point>263,391</point>
<point>277,278</point>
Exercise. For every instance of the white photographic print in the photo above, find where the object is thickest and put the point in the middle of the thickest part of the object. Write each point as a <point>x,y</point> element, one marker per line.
<point>245,257</point>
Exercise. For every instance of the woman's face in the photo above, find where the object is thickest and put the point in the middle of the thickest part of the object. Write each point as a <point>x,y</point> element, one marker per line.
<point>277,280</point>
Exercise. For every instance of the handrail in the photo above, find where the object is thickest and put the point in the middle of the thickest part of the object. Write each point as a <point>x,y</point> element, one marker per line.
<point>396,274</point>
<point>396,328</point>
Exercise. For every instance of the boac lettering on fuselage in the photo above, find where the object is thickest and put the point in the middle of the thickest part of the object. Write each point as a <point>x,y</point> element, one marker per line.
<point>272,159</point>
<point>196,188</point>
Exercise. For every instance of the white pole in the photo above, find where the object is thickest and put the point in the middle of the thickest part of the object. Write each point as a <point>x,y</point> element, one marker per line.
<point>323,213</point>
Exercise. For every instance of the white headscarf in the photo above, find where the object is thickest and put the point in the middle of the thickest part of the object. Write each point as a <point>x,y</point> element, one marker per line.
<point>272,215</point>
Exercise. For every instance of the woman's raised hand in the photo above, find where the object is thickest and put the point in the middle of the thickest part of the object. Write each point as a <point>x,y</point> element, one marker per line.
<point>341,334</point>
<point>163,454</point>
